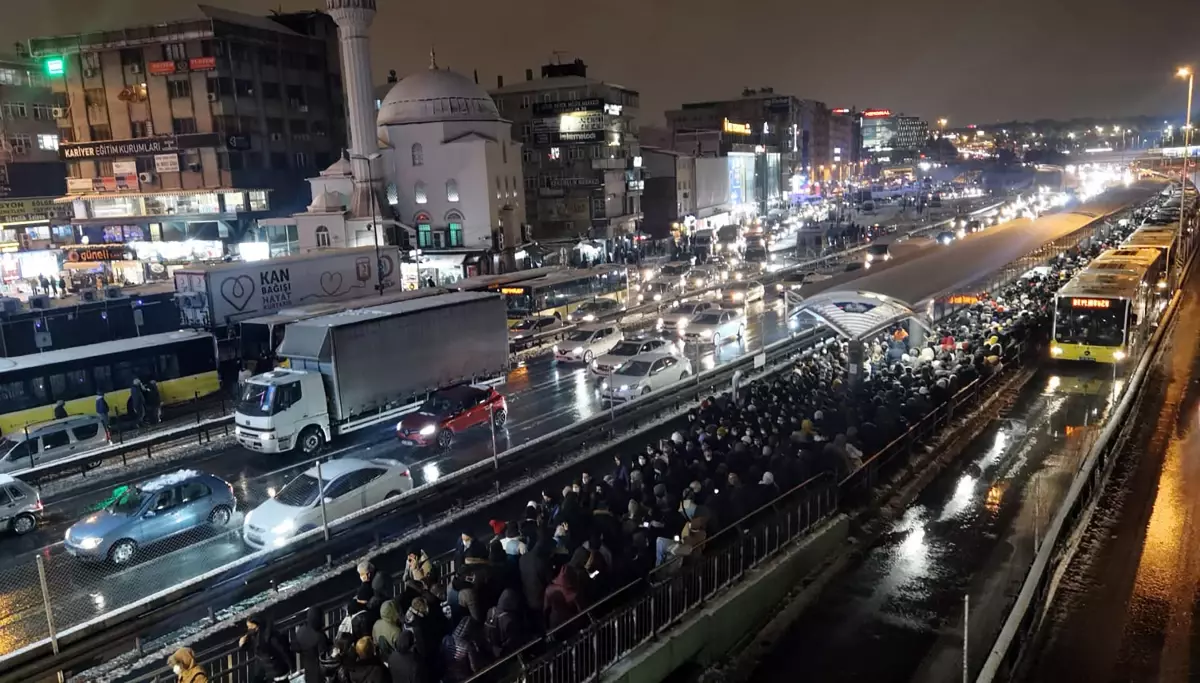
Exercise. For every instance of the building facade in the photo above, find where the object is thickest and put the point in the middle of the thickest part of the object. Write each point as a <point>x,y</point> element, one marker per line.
<point>193,129</point>
<point>911,134</point>
<point>581,152</point>
<point>796,130</point>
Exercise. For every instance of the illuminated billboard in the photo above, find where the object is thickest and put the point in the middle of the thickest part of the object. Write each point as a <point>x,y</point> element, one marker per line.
<point>736,128</point>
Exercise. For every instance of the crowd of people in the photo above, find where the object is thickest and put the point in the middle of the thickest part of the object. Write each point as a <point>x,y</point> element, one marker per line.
<point>651,511</point>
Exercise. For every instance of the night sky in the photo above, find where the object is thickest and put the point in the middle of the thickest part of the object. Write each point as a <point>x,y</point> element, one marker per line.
<point>973,62</point>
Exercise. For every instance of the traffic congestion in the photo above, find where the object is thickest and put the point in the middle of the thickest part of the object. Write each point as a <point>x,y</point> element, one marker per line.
<point>107,546</point>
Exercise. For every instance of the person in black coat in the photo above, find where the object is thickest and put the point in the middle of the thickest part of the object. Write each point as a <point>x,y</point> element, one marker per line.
<point>404,665</point>
<point>269,652</point>
<point>311,643</point>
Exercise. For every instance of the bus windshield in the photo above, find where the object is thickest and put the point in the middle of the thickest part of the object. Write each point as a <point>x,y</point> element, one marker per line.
<point>1091,326</point>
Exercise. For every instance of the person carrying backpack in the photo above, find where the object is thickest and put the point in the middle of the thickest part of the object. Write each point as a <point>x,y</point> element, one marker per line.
<point>504,628</point>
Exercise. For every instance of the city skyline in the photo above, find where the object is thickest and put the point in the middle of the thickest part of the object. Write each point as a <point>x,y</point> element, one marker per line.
<point>937,63</point>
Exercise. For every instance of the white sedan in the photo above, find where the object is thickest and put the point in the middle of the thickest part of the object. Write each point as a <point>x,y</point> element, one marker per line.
<point>742,292</point>
<point>678,317</point>
<point>603,366</point>
<point>586,342</point>
<point>643,374</point>
<point>714,327</point>
<point>345,486</point>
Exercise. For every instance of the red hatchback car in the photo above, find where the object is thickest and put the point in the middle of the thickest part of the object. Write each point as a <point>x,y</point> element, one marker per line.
<point>449,412</point>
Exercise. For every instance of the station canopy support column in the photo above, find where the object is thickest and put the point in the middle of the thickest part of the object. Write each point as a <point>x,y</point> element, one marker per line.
<point>858,316</point>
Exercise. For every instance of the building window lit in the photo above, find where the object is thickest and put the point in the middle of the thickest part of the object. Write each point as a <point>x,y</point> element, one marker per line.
<point>419,193</point>
<point>323,236</point>
<point>393,194</point>
<point>418,154</point>
<point>424,236</point>
<point>456,234</point>
<point>451,190</point>
<point>20,143</point>
<point>15,110</point>
<point>10,77</point>
<point>47,141</point>
<point>258,200</point>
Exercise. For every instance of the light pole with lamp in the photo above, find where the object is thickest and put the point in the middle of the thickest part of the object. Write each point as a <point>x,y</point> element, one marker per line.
<point>370,159</point>
<point>1184,72</point>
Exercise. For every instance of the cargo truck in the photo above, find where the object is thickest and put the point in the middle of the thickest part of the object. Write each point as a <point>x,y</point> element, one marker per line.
<point>217,296</point>
<point>363,367</point>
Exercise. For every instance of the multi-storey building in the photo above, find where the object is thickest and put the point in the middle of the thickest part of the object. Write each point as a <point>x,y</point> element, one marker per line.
<point>192,129</point>
<point>796,129</point>
<point>911,134</point>
<point>581,158</point>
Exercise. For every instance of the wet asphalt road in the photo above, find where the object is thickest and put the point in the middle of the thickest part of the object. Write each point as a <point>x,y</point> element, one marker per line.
<point>1128,608</point>
<point>543,396</point>
<point>895,615</point>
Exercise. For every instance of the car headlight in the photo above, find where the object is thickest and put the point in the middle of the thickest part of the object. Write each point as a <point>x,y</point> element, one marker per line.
<point>623,387</point>
<point>595,364</point>
<point>778,286</point>
<point>738,296</point>
<point>870,258</point>
<point>658,297</point>
<point>706,333</point>
<point>578,350</point>
<point>555,348</point>
<point>589,317</point>
<point>1056,351</point>
<point>266,436</point>
<point>427,430</point>
<point>1119,356</point>
<point>683,322</point>
<point>284,527</point>
<point>91,542</point>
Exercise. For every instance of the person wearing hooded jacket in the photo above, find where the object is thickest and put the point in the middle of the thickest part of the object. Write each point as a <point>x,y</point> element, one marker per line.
<point>404,665</point>
<point>310,642</point>
<point>462,656</point>
<point>387,628</point>
<point>269,652</point>
<point>185,666</point>
<point>504,629</point>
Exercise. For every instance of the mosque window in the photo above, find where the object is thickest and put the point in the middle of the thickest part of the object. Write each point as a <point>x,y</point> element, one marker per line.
<point>418,154</point>
<point>393,194</point>
<point>452,190</point>
<point>419,193</point>
<point>322,236</point>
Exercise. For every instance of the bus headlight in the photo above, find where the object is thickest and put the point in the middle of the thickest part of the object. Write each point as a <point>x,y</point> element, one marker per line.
<point>1056,351</point>
<point>1119,356</point>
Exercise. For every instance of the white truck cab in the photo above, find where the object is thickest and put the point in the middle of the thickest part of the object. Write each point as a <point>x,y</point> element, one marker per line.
<point>281,410</point>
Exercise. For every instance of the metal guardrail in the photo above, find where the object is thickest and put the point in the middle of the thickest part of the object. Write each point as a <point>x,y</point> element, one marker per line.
<point>581,649</point>
<point>483,476</point>
<point>1039,587</point>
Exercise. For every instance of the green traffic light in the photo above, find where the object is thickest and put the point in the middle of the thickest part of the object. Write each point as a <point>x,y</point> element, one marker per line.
<point>55,66</point>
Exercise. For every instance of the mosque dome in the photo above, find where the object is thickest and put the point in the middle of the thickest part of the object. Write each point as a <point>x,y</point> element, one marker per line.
<point>436,95</point>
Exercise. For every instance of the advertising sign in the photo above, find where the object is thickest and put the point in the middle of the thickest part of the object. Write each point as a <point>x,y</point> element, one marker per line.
<point>556,181</point>
<point>231,292</point>
<point>553,108</point>
<point>36,209</point>
<point>160,68</point>
<point>97,253</point>
<point>161,144</point>
<point>125,168</point>
<point>202,63</point>
<point>166,163</point>
<point>736,128</point>
<point>877,113</point>
<point>586,137</point>
<point>582,121</point>
<point>121,183</point>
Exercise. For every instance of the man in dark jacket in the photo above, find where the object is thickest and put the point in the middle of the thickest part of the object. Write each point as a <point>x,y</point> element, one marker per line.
<point>310,642</point>
<point>504,629</point>
<point>404,665</point>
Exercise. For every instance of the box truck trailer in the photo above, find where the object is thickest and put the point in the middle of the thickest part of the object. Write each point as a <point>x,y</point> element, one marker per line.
<point>220,295</point>
<point>363,367</point>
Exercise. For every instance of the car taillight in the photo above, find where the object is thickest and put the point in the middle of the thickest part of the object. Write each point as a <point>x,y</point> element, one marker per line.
<point>38,505</point>
<point>405,474</point>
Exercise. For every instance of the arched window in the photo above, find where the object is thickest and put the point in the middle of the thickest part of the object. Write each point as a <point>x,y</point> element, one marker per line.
<point>418,154</point>
<point>452,190</point>
<point>419,193</point>
<point>454,221</point>
<point>393,194</point>
<point>323,236</point>
<point>424,230</point>
<point>498,195</point>
<point>504,151</point>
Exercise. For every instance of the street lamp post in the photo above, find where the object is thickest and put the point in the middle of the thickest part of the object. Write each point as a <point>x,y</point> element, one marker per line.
<point>370,158</point>
<point>1184,72</point>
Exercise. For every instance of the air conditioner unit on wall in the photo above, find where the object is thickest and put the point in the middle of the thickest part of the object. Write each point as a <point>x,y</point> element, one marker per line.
<point>212,97</point>
<point>61,112</point>
<point>147,177</point>
<point>89,73</point>
<point>135,68</point>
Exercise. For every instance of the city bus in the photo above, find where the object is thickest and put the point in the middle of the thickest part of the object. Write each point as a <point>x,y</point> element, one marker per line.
<point>183,363</point>
<point>484,283</point>
<point>1107,311</point>
<point>558,294</point>
<point>1162,238</point>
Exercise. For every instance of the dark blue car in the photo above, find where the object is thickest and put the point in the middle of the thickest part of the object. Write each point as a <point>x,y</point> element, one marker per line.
<point>150,512</point>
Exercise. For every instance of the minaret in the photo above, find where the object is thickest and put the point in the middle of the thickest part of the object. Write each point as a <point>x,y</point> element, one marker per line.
<point>353,19</point>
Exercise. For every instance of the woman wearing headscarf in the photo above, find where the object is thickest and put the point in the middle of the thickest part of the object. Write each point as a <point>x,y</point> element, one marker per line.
<point>270,659</point>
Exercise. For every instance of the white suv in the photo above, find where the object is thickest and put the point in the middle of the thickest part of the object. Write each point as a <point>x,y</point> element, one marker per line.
<point>714,327</point>
<point>586,342</point>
